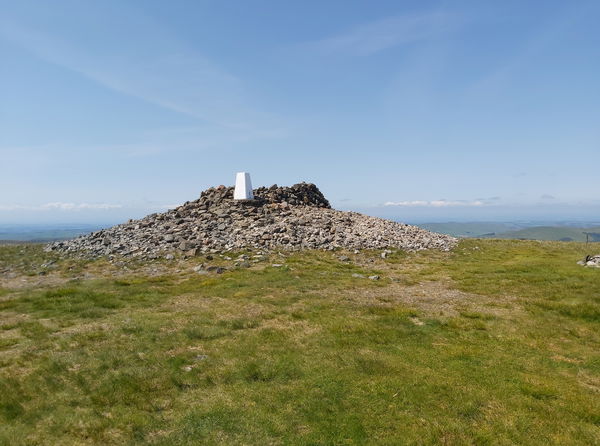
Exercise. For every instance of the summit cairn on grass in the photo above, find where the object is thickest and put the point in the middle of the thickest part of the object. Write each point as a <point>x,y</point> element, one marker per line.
<point>278,218</point>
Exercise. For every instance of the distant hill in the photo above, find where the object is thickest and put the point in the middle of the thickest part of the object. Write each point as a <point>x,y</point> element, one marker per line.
<point>556,233</point>
<point>515,231</point>
<point>42,233</point>
<point>470,230</point>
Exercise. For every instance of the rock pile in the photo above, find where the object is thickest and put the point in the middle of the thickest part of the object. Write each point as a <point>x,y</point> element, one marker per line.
<point>303,194</point>
<point>290,218</point>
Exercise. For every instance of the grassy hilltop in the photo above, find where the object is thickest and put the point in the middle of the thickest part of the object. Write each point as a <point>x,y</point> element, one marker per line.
<point>497,342</point>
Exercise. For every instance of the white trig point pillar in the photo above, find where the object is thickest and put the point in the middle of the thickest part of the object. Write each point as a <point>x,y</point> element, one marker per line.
<point>243,187</point>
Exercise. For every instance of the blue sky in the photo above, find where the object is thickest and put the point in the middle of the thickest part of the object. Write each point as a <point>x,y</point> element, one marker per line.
<point>412,109</point>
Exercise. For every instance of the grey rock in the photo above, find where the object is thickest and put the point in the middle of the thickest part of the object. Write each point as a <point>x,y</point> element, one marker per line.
<point>192,252</point>
<point>216,269</point>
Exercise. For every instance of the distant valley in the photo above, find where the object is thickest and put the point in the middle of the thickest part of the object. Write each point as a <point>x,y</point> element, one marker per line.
<point>44,233</point>
<point>517,231</point>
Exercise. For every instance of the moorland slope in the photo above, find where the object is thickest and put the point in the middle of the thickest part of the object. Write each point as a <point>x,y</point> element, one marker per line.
<point>496,342</point>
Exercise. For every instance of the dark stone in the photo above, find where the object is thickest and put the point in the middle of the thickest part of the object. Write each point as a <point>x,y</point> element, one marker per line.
<point>215,269</point>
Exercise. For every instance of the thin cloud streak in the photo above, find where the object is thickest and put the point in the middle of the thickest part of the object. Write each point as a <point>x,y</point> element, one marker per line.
<point>61,206</point>
<point>434,203</point>
<point>380,35</point>
<point>174,77</point>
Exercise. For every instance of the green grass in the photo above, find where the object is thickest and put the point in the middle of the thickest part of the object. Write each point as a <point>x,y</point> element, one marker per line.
<point>307,354</point>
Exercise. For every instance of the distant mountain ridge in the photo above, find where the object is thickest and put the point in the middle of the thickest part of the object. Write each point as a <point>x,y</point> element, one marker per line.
<point>470,229</point>
<point>564,234</point>
<point>40,233</point>
<point>514,231</point>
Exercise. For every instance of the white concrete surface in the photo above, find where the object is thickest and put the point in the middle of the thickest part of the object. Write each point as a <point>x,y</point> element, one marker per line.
<point>243,187</point>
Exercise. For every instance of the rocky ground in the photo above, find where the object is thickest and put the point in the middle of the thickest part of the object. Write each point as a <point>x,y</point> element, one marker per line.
<point>289,218</point>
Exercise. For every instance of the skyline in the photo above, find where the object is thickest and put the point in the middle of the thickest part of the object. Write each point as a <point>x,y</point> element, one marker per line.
<point>421,110</point>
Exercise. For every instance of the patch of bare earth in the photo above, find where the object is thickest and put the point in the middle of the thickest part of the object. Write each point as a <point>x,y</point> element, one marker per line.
<point>437,297</point>
<point>14,281</point>
<point>434,298</point>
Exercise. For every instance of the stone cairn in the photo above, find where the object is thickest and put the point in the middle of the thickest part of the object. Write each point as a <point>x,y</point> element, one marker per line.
<point>278,218</point>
